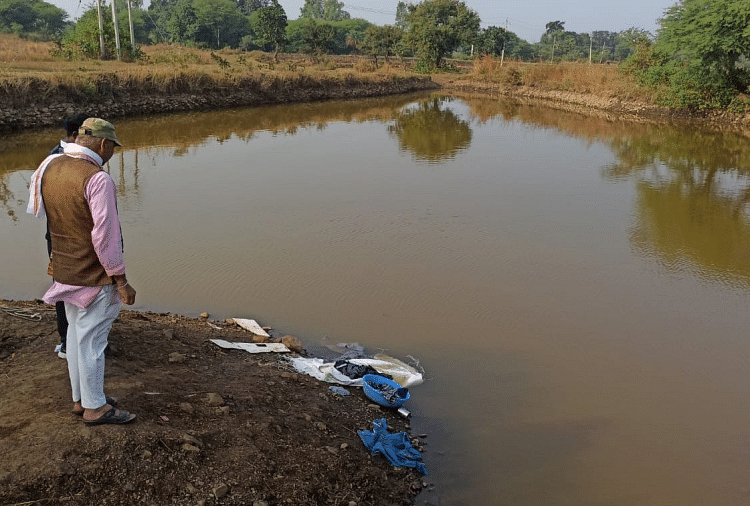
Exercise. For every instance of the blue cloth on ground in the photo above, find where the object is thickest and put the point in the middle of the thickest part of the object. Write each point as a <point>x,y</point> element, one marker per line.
<point>395,447</point>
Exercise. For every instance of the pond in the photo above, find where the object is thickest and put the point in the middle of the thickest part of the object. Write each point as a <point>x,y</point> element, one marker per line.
<point>575,287</point>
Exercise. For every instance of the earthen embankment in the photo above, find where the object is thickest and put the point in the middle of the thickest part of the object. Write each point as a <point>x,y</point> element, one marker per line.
<point>37,103</point>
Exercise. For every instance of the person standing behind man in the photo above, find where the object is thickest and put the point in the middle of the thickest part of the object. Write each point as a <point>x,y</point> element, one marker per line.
<point>87,265</point>
<point>71,126</point>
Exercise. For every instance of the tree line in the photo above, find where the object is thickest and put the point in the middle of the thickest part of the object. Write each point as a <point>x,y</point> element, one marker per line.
<point>432,30</point>
<point>698,58</point>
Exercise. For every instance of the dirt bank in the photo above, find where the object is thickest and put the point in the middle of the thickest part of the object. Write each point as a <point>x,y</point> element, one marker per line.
<point>35,102</point>
<point>271,436</point>
<point>587,102</point>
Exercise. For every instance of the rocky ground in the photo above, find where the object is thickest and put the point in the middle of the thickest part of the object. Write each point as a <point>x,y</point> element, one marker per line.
<point>214,426</point>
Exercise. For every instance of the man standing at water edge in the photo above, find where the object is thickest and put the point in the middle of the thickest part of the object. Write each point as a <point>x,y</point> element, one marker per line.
<point>87,264</point>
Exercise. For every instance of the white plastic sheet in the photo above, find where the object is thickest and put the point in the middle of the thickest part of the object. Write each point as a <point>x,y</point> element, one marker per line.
<point>251,325</point>
<point>403,374</point>
<point>252,347</point>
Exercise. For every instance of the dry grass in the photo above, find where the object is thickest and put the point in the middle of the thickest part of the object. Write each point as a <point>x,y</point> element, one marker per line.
<point>15,49</point>
<point>596,79</point>
<point>27,66</point>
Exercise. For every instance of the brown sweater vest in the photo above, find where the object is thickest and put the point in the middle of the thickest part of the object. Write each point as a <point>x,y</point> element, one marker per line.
<point>74,260</point>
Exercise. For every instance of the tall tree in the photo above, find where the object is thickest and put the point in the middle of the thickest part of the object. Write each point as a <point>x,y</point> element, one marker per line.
<point>333,10</point>
<point>626,41</point>
<point>270,27</point>
<point>439,27</point>
<point>25,16</point>
<point>327,10</point>
<point>554,26</point>
<point>216,17</point>
<point>491,41</point>
<point>313,9</point>
<point>180,21</point>
<point>381,41</point>
<point>713,33</point>
<point>316,38</point>
<point>553,29</point>
<point>49,18</point>
<point>250,6</point>
<point>402,13</point>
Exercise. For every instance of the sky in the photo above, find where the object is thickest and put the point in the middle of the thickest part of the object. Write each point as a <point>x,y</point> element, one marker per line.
<point>525,18</point>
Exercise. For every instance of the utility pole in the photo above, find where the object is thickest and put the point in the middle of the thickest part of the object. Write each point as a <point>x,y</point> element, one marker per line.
<point>554,39</point>
<point>591,47</point>
<point>505,39</point>
<point>130,22</point>
<point>101,29</point>
<point>117,32</point>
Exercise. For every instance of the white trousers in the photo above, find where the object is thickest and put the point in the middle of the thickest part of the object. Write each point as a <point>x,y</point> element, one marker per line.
<point>88,330</point>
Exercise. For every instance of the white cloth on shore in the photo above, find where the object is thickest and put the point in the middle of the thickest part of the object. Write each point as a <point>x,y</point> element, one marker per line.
<point>87,338</point>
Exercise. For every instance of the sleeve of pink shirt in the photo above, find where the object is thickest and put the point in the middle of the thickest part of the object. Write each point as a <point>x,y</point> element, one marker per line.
<point>101,195</point>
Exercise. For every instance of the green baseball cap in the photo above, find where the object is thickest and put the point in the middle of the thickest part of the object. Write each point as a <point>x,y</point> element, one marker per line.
<point>97,127</point>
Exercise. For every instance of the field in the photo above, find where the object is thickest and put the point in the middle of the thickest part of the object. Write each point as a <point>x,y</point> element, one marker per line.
<point>164,64</point>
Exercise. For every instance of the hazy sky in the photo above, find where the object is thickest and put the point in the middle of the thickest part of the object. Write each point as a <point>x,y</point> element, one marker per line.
<point>526,18</point>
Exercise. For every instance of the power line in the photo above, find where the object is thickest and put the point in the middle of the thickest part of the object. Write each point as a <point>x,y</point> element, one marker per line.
<point>368,9</point>
<point>79,6</point>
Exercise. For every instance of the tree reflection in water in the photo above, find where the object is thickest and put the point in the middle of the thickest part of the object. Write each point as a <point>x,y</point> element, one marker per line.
<point>6,196</point>
<point>431,134</point>
<point>692,184</point>
<point>693,196</point>
<point>178,133</point>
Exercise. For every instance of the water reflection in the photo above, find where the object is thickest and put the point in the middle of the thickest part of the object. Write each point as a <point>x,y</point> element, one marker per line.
<point>177,134</point>
<point>7,196</point>
<point>693,185</point>
<point>431,131</point>
<point>692,207</point>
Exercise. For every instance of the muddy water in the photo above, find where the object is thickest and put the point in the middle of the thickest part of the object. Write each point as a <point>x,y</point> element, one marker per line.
<point>575,288</point>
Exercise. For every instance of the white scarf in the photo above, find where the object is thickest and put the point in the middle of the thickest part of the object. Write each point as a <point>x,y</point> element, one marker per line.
<point>36,203</point>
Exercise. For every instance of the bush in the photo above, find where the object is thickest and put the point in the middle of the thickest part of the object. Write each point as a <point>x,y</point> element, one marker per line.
<point>682,84</point>
<point>365,65</point>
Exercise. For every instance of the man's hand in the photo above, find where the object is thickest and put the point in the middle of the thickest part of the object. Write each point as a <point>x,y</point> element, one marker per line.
<point>126,293</point>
